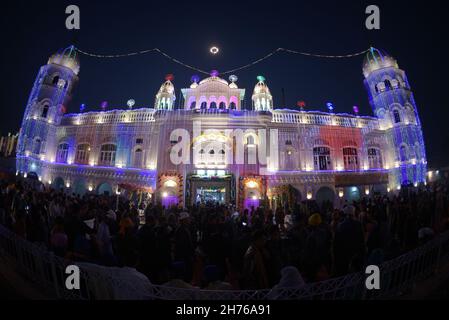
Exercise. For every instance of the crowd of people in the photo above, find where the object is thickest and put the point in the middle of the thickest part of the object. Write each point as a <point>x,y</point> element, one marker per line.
<point>219,247</point>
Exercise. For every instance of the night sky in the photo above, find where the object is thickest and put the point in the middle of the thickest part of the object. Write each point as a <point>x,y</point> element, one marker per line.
<point>245,31</point>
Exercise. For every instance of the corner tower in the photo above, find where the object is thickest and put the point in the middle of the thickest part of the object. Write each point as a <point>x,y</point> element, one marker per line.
<point>48,101</point>
<point>392,101</point>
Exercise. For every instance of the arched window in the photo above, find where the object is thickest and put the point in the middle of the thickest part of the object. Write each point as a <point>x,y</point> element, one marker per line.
<point>403,153</point>
<point>44,113</point>
<point>232,106</point>
<point>138,158</point>
<point>62,153</point>
<point>396,116</point>
<point>250,140</point>
<point>37,146</point>
<point>322,158</point>
<point>193,105</point>
<point>55,80</point>
<point>374,158</point>
<point>222,106</point>
<point>213,105</point>
<point>212,152</point>
<point>387,84</point>
<point>376,88</point>
<point>204,105</point>
<point>82,154</point>
<point>107,154</point>
<point>351,160</point>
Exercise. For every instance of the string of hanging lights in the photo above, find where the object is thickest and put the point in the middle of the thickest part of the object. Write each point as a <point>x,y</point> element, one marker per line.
<point>249,65</point>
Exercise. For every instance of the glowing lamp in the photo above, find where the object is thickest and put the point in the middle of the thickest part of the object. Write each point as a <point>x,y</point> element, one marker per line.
<point>356,110</point>
<point>25,175</point>
<point>330,106</point>
<point>252,185</point>
<point>164,195</point>
<point>301,105</point>
<point>367,191</point>
<point>131,103</point>
<point>50,182</point>
<point>68,185</point>
<point>170,184</point>
<point>214,50</point>
<point>233,78</point>
<point>309,195</point>
<point>195,78</point>
<point>82,107</point>
<point>341,194</point>
<point>91,188</point>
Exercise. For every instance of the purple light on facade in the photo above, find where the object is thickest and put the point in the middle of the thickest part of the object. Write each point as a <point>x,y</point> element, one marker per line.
<point>169,201</point>
<point>214,73</point>
<point>250,203</point>
<point>356,110</point>
<point>104,105</point>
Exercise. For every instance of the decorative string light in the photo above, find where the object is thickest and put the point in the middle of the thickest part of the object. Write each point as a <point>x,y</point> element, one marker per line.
<point>136,53</point>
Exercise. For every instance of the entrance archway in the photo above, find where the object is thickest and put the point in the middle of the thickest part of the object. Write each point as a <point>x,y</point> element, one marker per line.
<point>58,184</point>
<point>325,194</point>
<point>352,194</point>
<point>104,189</point>
<point>79,187</point>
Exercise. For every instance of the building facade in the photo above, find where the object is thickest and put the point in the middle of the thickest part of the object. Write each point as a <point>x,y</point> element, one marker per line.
<point>210,148</point>
<point>8,145</point>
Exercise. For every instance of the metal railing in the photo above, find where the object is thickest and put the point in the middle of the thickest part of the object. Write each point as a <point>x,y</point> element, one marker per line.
<point>47,272</point>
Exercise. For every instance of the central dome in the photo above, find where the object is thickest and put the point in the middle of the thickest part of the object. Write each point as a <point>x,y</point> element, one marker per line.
<point>212,79</point>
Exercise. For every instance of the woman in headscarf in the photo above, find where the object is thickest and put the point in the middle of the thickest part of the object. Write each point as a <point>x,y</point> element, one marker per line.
<point>291,280</point>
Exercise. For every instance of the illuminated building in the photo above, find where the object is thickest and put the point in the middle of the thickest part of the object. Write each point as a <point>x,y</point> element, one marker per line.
<point>245,157</point>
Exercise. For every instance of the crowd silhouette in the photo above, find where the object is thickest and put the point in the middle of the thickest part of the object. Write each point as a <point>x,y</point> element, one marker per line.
<point>217,247</point>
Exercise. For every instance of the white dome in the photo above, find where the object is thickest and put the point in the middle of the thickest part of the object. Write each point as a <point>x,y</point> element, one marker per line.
<point>68,58</point>
<point>167,87</point>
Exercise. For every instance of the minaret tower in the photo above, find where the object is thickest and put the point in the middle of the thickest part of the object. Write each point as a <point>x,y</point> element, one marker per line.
<point>166,97</point>
<point>262,98</point>
<point>393,104</point>
<point>48,101</point>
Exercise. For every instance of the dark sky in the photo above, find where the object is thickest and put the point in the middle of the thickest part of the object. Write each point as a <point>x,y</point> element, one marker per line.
<point>415,35</point>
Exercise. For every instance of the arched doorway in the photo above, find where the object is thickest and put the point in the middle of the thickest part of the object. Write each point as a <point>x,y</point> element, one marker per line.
<point>352,194</point>
<point>104,189</point>
<point>79,187</point>
<point>325,194</point>
<point>58,184</point>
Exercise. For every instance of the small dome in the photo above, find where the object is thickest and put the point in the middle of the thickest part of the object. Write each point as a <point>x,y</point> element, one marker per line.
<point>167,87</point>
<point>376,59</point>
<point>68,58</point>
<point>261,86</point>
